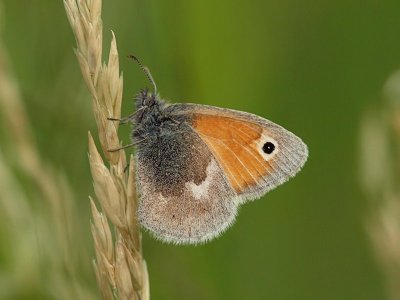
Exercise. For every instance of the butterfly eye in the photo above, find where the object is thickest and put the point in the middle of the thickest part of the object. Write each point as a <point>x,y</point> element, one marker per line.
<point>268,148</point>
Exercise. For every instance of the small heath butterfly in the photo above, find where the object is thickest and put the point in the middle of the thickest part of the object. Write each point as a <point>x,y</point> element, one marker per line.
<point>196,164</point>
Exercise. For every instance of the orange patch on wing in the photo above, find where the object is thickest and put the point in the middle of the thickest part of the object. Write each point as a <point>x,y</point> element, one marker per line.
<point>233,143</point>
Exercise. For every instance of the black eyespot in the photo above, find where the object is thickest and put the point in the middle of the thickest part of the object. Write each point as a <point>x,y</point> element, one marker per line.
<point>268,147</point>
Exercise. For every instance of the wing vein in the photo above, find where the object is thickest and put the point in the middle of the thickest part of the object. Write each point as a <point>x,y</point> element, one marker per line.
<point>274,178</point>
<point>261,163</point>
<point>234,154</point>
<point>287,167</point>
<point>219,159</point>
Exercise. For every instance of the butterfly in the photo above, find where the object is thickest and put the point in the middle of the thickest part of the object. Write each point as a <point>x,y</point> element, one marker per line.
<point>196,164</point>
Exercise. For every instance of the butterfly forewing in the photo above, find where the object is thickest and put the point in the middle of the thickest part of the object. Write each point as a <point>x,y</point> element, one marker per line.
<point>241,142</point>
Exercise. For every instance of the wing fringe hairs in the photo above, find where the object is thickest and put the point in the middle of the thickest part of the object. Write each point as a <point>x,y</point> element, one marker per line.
<point>120,269</point>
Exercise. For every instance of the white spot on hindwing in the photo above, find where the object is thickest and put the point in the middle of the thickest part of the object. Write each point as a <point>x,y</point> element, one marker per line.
<point>201,191</point>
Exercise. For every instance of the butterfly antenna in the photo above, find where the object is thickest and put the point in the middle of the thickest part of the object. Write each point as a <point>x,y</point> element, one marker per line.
<point>146,71</point>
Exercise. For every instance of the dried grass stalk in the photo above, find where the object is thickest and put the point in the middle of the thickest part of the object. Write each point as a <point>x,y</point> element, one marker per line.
<point>120,268</point>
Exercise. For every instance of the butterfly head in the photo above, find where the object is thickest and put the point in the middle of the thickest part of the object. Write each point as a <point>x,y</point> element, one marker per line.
<point>146,99</point>
<point>148,104</point>
<point>150,114</point>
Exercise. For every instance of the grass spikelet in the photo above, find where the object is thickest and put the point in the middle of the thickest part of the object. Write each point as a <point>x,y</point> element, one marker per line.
<point>121,271</point>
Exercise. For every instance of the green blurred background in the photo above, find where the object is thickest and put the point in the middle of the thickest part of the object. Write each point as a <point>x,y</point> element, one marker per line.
<point>310,66</point>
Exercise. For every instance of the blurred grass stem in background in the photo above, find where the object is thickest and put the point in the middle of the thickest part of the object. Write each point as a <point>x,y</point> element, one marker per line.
<point>41,253</point>
<point>121,271</point>
<point>380,162</point>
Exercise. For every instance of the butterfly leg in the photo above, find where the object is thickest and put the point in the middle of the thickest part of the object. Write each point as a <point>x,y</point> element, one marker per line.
<point>126,146</point>
<point>130,117</point>
<point>123,120</point>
